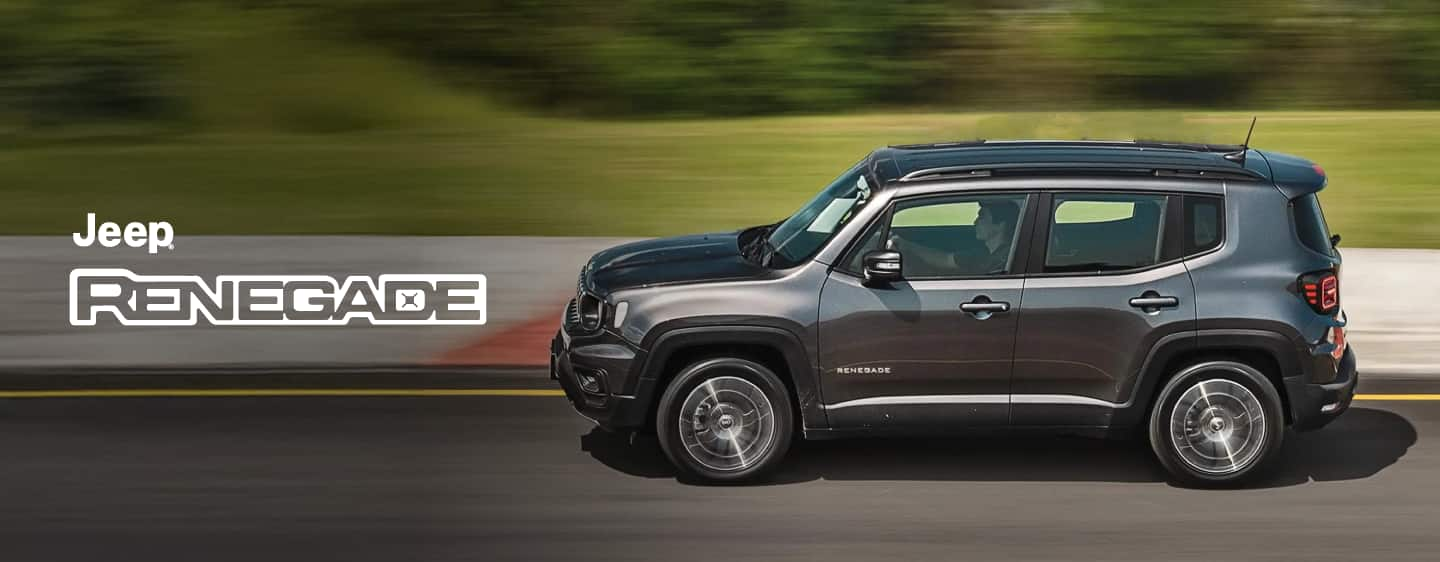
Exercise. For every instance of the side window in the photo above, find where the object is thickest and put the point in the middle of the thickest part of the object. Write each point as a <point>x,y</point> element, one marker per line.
<point>1104,232</point>
<point>957,236</point>
<point>1204,223</point>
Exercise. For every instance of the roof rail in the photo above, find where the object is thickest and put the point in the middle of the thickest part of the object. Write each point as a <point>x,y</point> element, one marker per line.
<point>1199,171</point>
<point>942,144</point>
<point>1192,146</point>
<point>1135,143</point>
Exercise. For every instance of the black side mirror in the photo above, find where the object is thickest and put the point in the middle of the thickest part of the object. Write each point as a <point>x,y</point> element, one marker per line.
<point>1334,240</point>
<point>881,266</point>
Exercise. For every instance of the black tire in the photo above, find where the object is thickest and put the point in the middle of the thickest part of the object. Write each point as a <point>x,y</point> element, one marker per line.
<point>1215,441</point>
<point>695,433</point>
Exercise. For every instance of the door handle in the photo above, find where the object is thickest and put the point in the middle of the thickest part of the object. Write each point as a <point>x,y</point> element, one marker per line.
<point>982,308</point>
<point>1154,301</point>
<point>985,307</point>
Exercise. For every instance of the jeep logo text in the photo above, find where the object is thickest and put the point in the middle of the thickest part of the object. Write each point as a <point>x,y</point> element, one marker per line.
<point>135,234</point>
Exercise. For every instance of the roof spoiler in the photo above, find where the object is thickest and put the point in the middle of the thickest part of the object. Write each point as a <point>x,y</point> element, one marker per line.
<point>1294,176</point>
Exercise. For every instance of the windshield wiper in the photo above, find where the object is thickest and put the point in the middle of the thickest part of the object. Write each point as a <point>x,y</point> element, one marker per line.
<point>755,248</point>
<point>767,252</point>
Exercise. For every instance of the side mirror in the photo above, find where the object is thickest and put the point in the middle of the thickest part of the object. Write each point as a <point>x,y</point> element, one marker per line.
<point>881,266</point>
<point>1335,241</point>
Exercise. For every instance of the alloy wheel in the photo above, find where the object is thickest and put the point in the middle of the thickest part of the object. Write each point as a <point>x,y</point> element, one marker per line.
<point>727,424</point>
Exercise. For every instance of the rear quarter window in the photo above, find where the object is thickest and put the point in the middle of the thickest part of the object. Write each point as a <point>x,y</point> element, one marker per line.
<point>1204,223</point>
<point>1310,224</point>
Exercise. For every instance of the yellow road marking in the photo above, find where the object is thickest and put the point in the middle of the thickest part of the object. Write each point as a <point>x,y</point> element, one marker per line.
<point>1407,397</point>
<point>231,392</point>
<point>240,392</point>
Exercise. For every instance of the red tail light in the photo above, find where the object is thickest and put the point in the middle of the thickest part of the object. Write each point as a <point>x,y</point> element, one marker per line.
<point>1321,290</point>
<point>1337,337</point>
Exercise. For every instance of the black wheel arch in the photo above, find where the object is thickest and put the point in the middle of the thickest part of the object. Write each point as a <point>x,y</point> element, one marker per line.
<point>1272,353</point>
<point>673,345</point>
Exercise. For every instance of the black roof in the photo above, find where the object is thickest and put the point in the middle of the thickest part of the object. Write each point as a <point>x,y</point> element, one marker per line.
<point>921,162</point>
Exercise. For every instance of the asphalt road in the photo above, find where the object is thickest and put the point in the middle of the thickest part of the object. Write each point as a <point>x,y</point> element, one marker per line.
<point>523,478</point>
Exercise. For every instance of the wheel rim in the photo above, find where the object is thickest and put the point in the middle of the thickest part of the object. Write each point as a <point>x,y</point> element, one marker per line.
<point>1218,426</point>
<point>727,424</point>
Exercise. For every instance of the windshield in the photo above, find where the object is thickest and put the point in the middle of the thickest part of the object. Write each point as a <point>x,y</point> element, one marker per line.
<point>801,235</point>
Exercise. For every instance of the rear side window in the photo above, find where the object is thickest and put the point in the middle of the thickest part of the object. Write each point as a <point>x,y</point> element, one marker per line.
<point>1310,224</point>
<point>1204,223</point>
<point>1104,232</point>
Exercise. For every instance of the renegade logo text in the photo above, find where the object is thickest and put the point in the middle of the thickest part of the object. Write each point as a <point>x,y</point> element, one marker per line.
<point>862,370</point>
<point>269,300</point>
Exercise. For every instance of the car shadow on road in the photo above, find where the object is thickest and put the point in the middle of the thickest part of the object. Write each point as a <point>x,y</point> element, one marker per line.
<point>1360,444</point>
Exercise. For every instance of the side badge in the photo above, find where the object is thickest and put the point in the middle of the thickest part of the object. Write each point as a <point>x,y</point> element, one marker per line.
<point>862,370</point>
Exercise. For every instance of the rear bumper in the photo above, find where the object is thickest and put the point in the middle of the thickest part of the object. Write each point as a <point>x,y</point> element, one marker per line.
<point>1312,406</point>
<point>610,364</point>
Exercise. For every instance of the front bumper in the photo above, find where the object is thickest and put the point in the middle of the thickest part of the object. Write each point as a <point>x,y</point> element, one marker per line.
<point>621,401</point>
<point>1312,405</point>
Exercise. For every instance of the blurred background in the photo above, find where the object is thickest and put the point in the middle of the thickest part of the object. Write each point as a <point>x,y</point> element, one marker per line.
<point>551,129</point>
<point>652,117</point>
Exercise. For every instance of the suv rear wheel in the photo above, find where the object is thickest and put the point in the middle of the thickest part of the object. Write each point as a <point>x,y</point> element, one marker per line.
<point>1217,423</point>
<point>725,419</point>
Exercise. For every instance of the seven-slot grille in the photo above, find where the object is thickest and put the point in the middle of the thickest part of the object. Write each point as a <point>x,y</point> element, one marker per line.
<point>574,320</point>
<point>572,316</point>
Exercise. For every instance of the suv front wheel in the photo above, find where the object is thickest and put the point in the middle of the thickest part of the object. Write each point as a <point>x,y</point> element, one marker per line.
<point>725,419</point>
<point>1217,423</point>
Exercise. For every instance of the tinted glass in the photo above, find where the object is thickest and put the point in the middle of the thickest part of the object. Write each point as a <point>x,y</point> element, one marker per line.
<point>957,237</point>
<point>1310,224</point>
<point>1204,223</point>
<point>1104,232</point>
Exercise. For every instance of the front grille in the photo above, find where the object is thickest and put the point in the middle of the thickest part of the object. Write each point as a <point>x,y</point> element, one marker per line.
<point>572,316</point>
<point>575,312</point>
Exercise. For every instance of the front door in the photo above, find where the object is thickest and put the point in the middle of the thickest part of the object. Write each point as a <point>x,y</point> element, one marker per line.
<point>934,350</point>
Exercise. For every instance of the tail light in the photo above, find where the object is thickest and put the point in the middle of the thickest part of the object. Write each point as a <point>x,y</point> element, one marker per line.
<point>1321,290</point>
<point>1336,337</point>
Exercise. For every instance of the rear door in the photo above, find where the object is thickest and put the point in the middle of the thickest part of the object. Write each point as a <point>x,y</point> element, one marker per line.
<point>1105,283</point>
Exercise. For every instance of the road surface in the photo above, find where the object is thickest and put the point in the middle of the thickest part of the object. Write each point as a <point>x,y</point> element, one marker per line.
<point>523,478</point>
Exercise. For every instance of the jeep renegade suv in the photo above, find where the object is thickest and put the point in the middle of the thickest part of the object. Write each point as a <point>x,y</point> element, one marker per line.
<point>1189,292</point>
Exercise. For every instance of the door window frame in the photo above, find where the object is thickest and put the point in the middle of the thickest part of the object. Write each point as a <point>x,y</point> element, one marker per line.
<point>1018,262</point>
<point>1220,224</point>
<point>1172,232</point>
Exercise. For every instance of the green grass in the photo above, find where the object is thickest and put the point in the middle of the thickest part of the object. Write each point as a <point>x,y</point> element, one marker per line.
<point>493,173</point>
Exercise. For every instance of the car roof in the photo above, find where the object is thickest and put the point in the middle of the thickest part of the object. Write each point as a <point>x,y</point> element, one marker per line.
<point>983,158</point>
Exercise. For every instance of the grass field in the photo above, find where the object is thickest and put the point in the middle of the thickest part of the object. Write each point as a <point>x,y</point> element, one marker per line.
<point>495,173</point>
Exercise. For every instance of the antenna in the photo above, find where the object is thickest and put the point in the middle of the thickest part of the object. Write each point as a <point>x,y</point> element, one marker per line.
<point>1239,157</point>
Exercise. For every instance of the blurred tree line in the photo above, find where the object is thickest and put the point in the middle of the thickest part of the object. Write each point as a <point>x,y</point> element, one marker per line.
<point>66,62</point>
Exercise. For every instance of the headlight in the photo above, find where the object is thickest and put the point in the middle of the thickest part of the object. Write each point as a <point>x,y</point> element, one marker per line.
<point>621,309</point>
<point>589,313</point>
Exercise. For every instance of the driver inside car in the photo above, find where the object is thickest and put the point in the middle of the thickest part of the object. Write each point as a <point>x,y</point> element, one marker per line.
<point>994,228</point>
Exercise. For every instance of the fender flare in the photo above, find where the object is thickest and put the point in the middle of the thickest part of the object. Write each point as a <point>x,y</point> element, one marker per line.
<point>790,346</point>
<point>1152,371</point>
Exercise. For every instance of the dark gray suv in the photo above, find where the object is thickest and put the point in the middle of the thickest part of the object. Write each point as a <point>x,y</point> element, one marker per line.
<point>1187,292</point>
